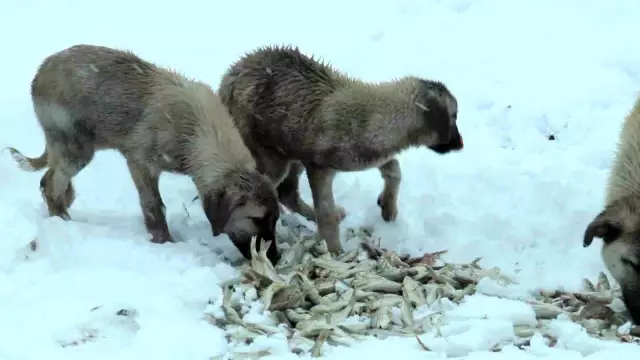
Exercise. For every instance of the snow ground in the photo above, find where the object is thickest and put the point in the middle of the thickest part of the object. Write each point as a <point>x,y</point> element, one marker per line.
<point>521,70</point>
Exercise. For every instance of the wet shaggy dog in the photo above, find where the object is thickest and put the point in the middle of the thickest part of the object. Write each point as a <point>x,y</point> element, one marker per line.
<point>296,113</point>
<point>89,98</point>
<point>618,225</point>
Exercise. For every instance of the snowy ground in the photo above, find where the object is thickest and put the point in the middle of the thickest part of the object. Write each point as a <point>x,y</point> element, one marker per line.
<point>521,70</point>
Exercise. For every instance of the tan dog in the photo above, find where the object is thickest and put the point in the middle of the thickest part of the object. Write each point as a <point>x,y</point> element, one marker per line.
<point>619,223</point>
<point>296,113</point>
<point>88,98</point>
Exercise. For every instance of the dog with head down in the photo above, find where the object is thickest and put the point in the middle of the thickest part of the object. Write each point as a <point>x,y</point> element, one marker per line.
<point>89,98</point>
<point>296,113</point>
<point>618,224</point>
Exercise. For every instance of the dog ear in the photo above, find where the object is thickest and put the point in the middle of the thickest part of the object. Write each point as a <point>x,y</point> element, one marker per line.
<point>218,207</point>
<point>602,227</point>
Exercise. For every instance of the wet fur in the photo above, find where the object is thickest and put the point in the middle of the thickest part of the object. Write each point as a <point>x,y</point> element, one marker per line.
<point>619,222</point>
<point>296,113</point>
<point>89,98</point>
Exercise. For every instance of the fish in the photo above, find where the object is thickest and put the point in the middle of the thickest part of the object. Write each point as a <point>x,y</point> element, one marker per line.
<point>381,319</point>
<point>316,350</point>
<point>260,263</point>
<point>318,298</point>
<point>376,283</point>
<point>413,292</point>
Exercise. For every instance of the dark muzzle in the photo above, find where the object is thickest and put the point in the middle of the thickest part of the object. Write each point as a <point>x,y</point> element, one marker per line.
<point>455,144</point>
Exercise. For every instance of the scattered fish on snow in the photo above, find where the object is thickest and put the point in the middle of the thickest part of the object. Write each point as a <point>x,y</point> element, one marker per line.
<point>317,298</point>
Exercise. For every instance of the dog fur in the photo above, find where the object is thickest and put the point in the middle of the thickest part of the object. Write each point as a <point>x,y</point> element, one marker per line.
<point>618,225</point>
<point>296,113</point>
<point>89,98</point>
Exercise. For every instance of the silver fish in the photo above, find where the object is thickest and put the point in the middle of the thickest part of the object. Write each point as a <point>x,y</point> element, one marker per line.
<point>308,287</point>
<point>588,285</point>
<point>380,284</point>
<point>406,313</point>
<point>354,328</point>
<point>260,263</point>
<point>546,311</point>
<point>413,292</point>
<point>316,351</point>
<point>348,256</point>
<point>381,319</point>
<point>603,282</point>
<point>287,297</point>
<point>297,315</point>
<point>433,293</point>
<point>331,265</point>
<point>267,294</point>
<point>313,327</point>
<point>386,300</point>
<point>339,316</point>
<point>398,274</point>
<point>332,307</point>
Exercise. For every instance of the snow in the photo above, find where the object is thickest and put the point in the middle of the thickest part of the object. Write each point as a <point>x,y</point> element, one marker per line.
<point>521,70</point>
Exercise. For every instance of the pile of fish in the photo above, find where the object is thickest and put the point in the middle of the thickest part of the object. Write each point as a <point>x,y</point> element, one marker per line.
<point>598,308</point>
<point>315,297</point>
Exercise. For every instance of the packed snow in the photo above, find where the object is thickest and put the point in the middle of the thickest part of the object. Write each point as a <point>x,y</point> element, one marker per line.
<point>543,87</point>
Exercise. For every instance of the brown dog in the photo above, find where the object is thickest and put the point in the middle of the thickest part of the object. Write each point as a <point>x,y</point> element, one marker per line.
<point>619,223</point>
<point>296,113</point>
<point>88,98</point>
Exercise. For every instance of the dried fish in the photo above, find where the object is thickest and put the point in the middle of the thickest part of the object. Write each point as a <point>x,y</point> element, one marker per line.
<point>287,297</point>
<point>413,292</point>
<point>348,256</point>
<point>331,264</point>
<point>433,293</point>
<point>309,288</point>
<point>339,316</point>
<point>316,351</point>
<point>546,311</point>
<point>297,315</point>
<point>313,327</point>
<point>381,319</point>
<point>230,313</point>
<point>360,294</point>
<point>325,286</point>
<point>523,331</point>
<point>398,274</point>
<point>429,259</point>
<point>241,334</point>
<point>595,311</point>
<point>386,300</point>
<point>378,284</point>
<point>317,298</point>
<point>260,263</point>
<point>603,282</point>
<point>406,313</point>
<point>355,328</point>
<point>267,294</point>
<point>331,307</point>
<point>593,297</point>
<point>593,325</point>
<point>588,285</point>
